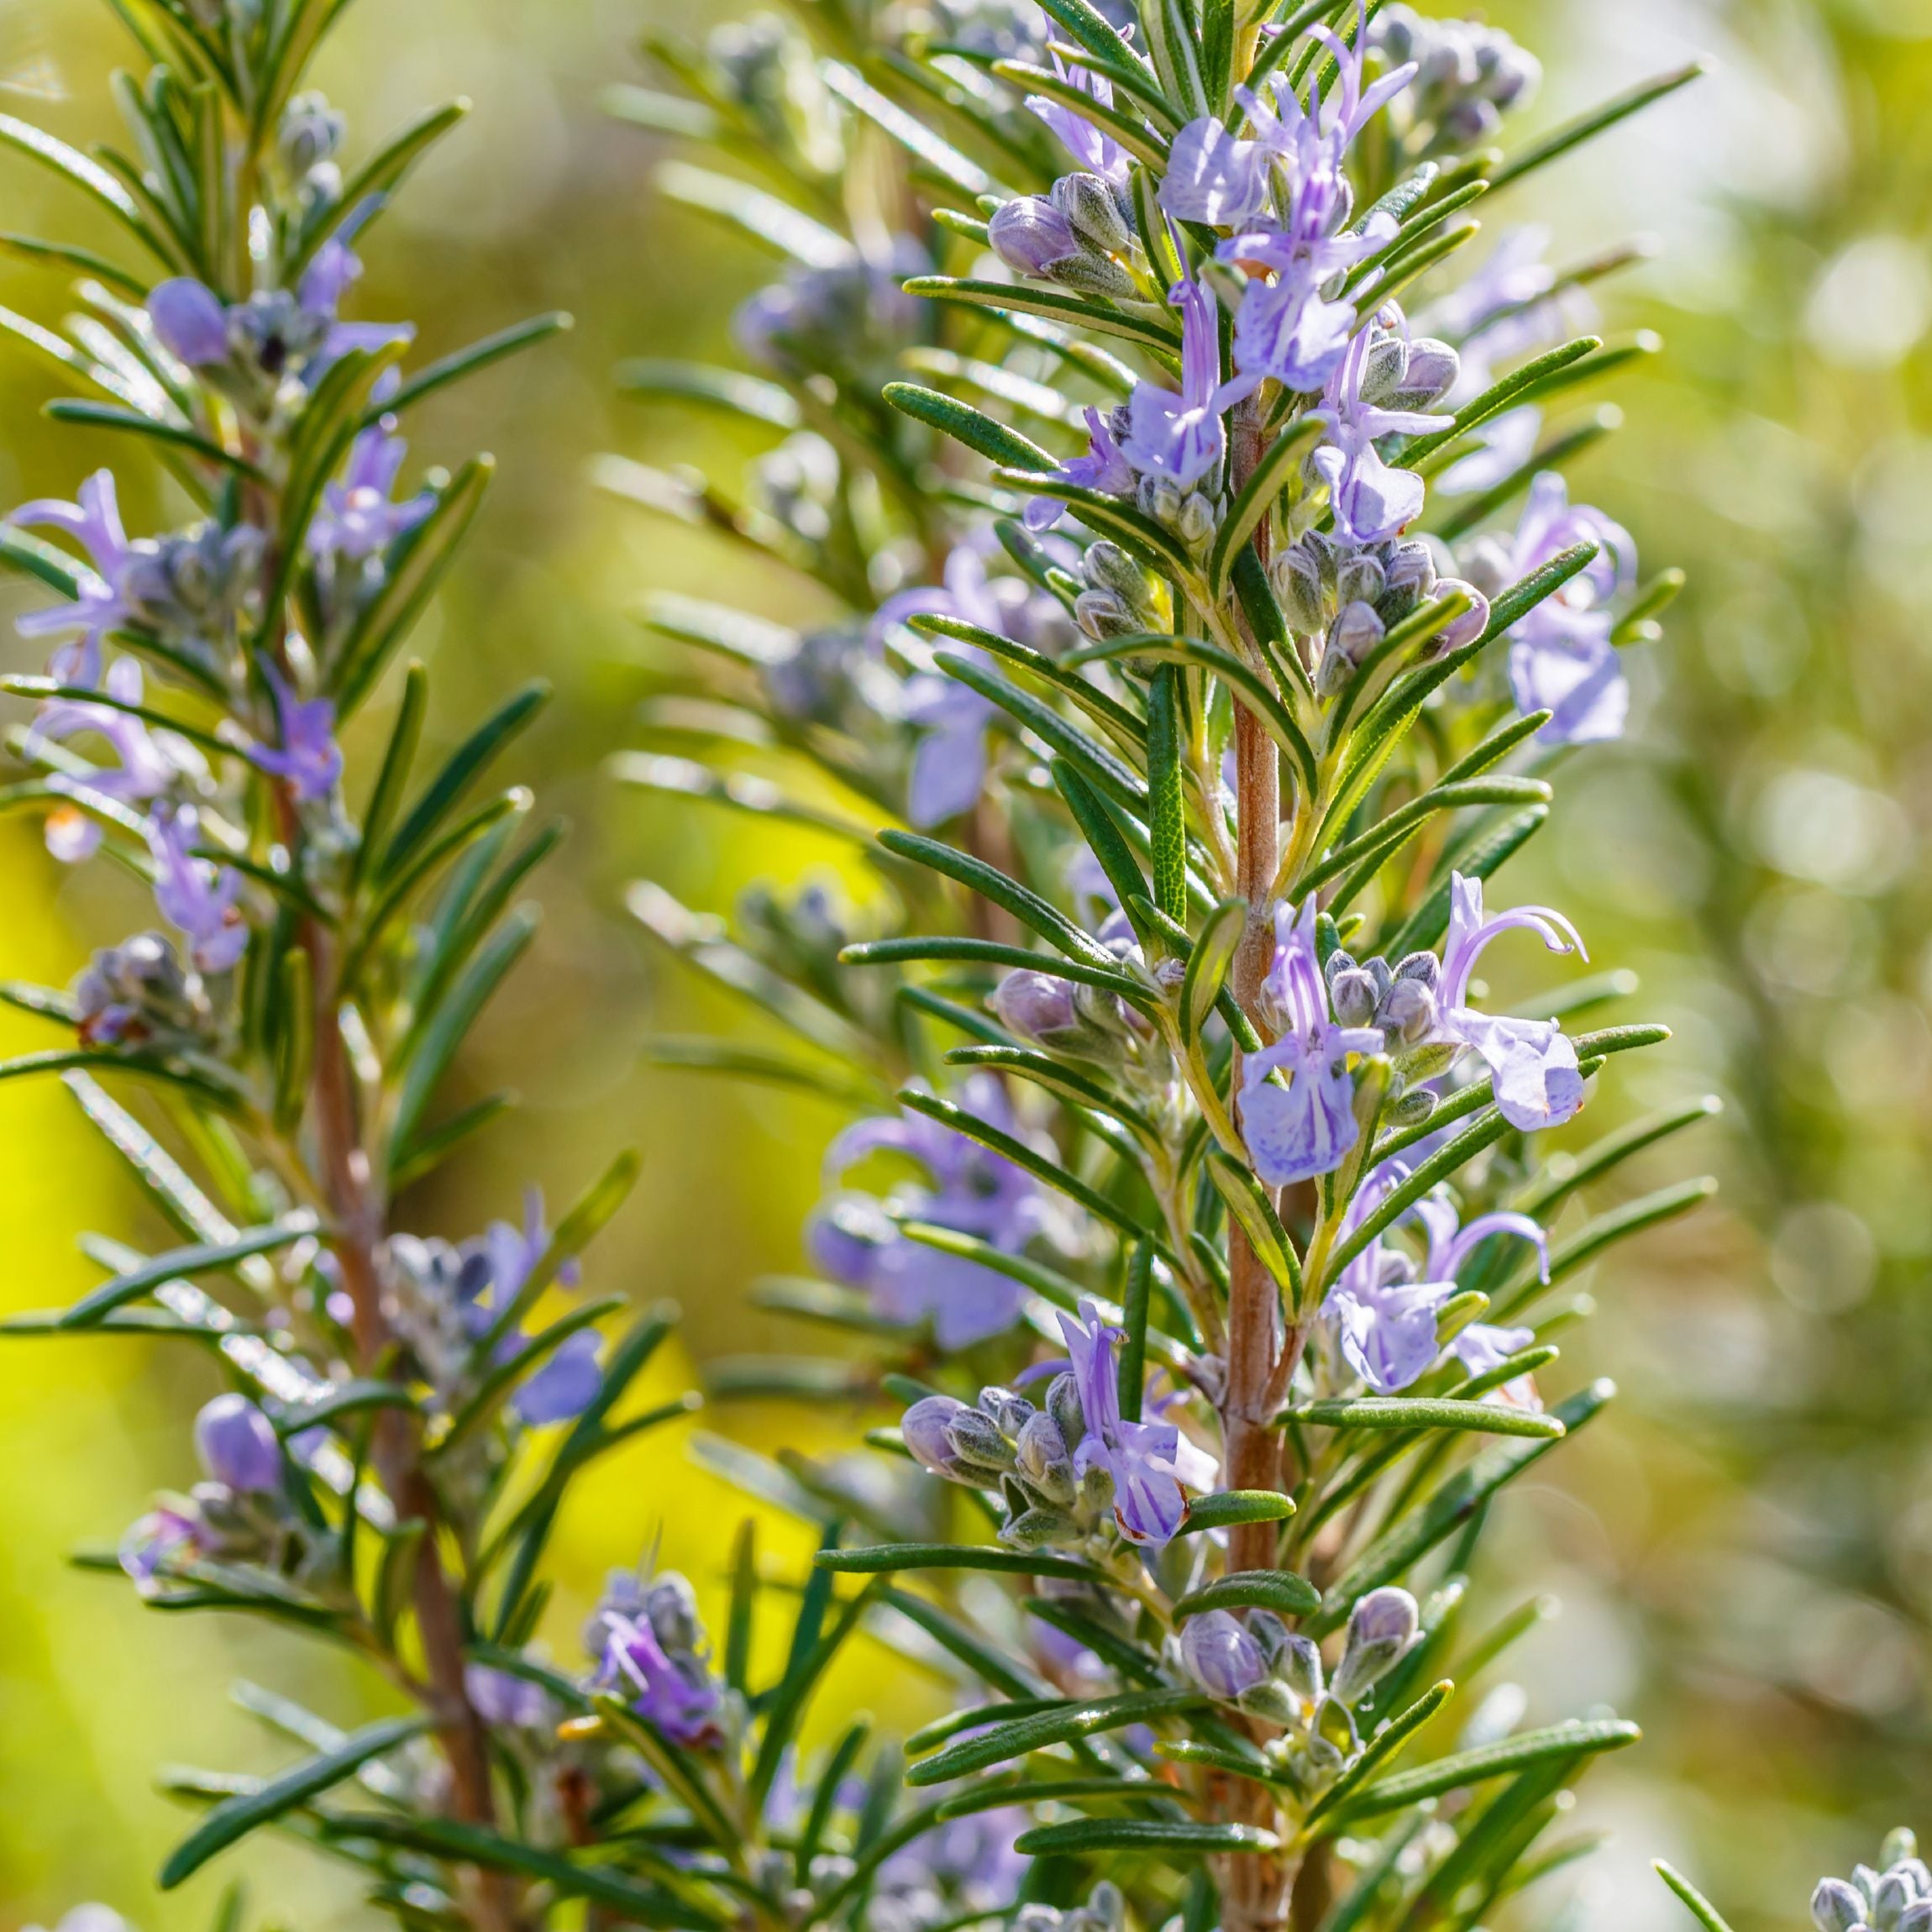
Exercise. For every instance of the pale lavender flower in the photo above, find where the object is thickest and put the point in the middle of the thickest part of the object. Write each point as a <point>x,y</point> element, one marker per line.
<point>1383,1318</point>
<point>1482,1346</point>
<point>1371,501</point>
<point>1181,437</point>
<point>1102,468</point>
<point>1215,177</point>
<point>328,278</point>
<point>949,763</point>
<point>1561,656</point>
<point>357,518</point>
<point>160,1538</point>
<point>1221,1655</point>
<point>924,1429</point>
<point>1149,1461</point>
<point>673,1691</point>
<point>145,770</point>
<point>567,1382</point>
<point>191,321</point>
<point>196,895</point>
<point>1534,1064</point>
<point>102,603</point>
<point>1309,1127</point>
<point>1383,1626</point>
<point>1505,443</point>
<point>238,1445</point>
<point>976,1191</point>
<point>308,757</point>
<point>1098,153</point>
<point>966,1862</point>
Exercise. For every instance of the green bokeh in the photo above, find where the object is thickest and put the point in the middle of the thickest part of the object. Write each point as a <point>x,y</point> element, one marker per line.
<point>1744,1546</point>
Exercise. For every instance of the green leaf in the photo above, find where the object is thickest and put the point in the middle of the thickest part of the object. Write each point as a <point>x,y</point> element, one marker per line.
<point>1256,498</point>
<point>1161,1836</point>
<point>1166,795</point>
<point>1208,962</point>
<point>463,362</point>
<point>965,424</point>
<point>1379,1749</point>
<point>378,175</point>
<point>1392,1553</point>
<point>1586,126</point>
<point>1226,1508</point>
<point>1498,397</point>
<point>1390,831</point>
<point>1078,311</point>
<point>1094,32</point>
<point>1104,710</point>
<point>1131,77</point>
<point>1423,1412</point>
<point>264,1802</point>
<point>990,883</point>
<point>1700,1908</point>
<point>203,1258</point>
<point>700,1054</point>
<point>1066,1725</point>
<point>1102,832</point>
<point>1249,1203</point>
<point>1131,1377</point>
<point>1430,921</point>
<point>1564,1176</point>
<point>727,389</point>
<point>788,1702</point>
<point>880,1559</point>
<point>1487,1126</point>
<point>176,435</point>
<point>1508,1755</point>
<point>1278,1590</point>
<point>1129,130</point>
<point>82,262</point>
<point>1078,1088</point>
<point>88,175</point>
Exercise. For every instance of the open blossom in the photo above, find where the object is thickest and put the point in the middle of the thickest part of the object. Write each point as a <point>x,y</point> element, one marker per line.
<point>357,518</point>
<point>1372,502</point>
<point>308,756</point>
<point>1308,1128</point>
<point>1149,1461</point>
<point>196,895</point>
<point>1098,153</point>
<point>145,770</point>
<point>566,1382</point>
<point>1534,1062</point>
<point>1103,468</point>
<point>1561,657</point>
<point>949,764</point>
<point>972,1189</point>
<point>1482,1346</point>
<point>102,603</point>
<point>648,1642</point>
<point>1181,437</point>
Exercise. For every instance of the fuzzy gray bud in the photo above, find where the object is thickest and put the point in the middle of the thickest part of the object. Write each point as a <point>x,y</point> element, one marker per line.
<point>1103,617</point>
<point>1043,1463</point>
<point>1407,1013</point>
<point>1095,275</point>
<point>1107,567</point>
<point>1359,580</point>
<point>1836,1906</point>
<point>976,1439</point>
<point>1412,1109</point>
<point>1196,522</point>
<point>1381,1627</point>
<point>1298,582</point>
<point>1063,1405</point>
<point>1092,212</point>
<point>1352,994</point>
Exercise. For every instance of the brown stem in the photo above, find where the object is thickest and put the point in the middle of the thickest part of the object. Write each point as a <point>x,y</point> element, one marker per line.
<point>1254,1889</point>
<point>357,1212</point>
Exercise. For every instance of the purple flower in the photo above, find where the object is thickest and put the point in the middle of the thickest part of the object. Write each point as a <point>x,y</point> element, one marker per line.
<point>1031,235</point>
<point>101,603</point>
<point>1382,1627</point>
<point>496,1269</point>
<point>973,1190</point>
<point>949,763</point>
<point>1309,1127</point>
<point>675,1692</point>
<point>1482,1346</point>
<point>1181,437</point>
<point>190,320</point>
<point>195,896</point>
<point>1220,1656</point>
<point>1382,1318</point>
<point>565,1386</point>
<point>1098,153</point>
<point>970,1861</point>
<point>1536,1082</point>
<point>1147,1461</point>
<point>1371,501</point>
<point>357,519</point>
<point>1102,468</point>
<point>923,1426</point>
<point>145,772</point>
<point>308,756</point>
<point>1214,178</point>
<point>238,1445</point>
<point>156,1542</point>
<point>335,270</point>
<point>1561,656</point>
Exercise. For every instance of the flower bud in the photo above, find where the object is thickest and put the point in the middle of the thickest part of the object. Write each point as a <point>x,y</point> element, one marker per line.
<point>1104,1911</point>
<point>1432,372</point>
<point>1103,617</point>
<point>1036,1005</point>
<point>1220,1656</point>
<point>1407,1013</point>
<point>1095,275</point>
<point>1032,236</point>
<point>1107,567</point>
<point>238,1445</point>
<point>925,1428</point>
<point>1471,625</point>
<point>1063,1405</point>
<point>1356,631</point>
<point>1352,994</point>
<point>1031,1529</point>
<point>1890,1898</point>
<point>975,1438</point>
<point>1412,1108</point>
<point>1381,1627</point>
<point>191,320</point>
<point>1274,1702</point>
<point>1160,499</point>
<point>1093,213</point>
<point>1299,1667</point>
<point>1041,1458</point>
<point>1901,1846</point>
<point>671,1609</point>
<point>1298,582</point>
<point>1915,1918</point>
<point>310,133</point>
<point>1196,522</point>
<point>1010,1411</point>
<point>1424,966</point>
<point>1836,1906</point>
<point>1359,580</point>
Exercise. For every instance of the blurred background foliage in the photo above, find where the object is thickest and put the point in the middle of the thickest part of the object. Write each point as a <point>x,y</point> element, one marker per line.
<point>1743,1550</point>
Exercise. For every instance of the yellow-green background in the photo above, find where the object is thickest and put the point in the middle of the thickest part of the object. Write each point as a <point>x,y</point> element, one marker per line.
<point>1744,1545</point>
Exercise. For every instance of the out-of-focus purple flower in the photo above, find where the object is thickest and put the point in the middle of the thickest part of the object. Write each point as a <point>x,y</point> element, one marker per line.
<point>1534,1064</point>
<point>1220,1656</point>
<point>565,1386</point>
<point>973,1190</point>
<point>357,518</point>
<point>102,603</point>
<point>494,1271</point>
<point>160,1539</point>
<point>1098,153</point>
<point>848,314</point>
<point>335,270</point>
<point>308,756</point>
<point>502,1697</point>
<point>1561,656</point>
<point>238,1445</point>
<point>195,896</point>
<point>1147,1461</point>
<point>949,763</point>
<point>1308,1128</point>
<point>145,772</point>
<point>1507,442</point>
<point>1181,437</point>
<point>1371,502</point>
<point>966,1863</point>
<point>673,1691</point>
<point>190,320</point>
<point>1102,468</point>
